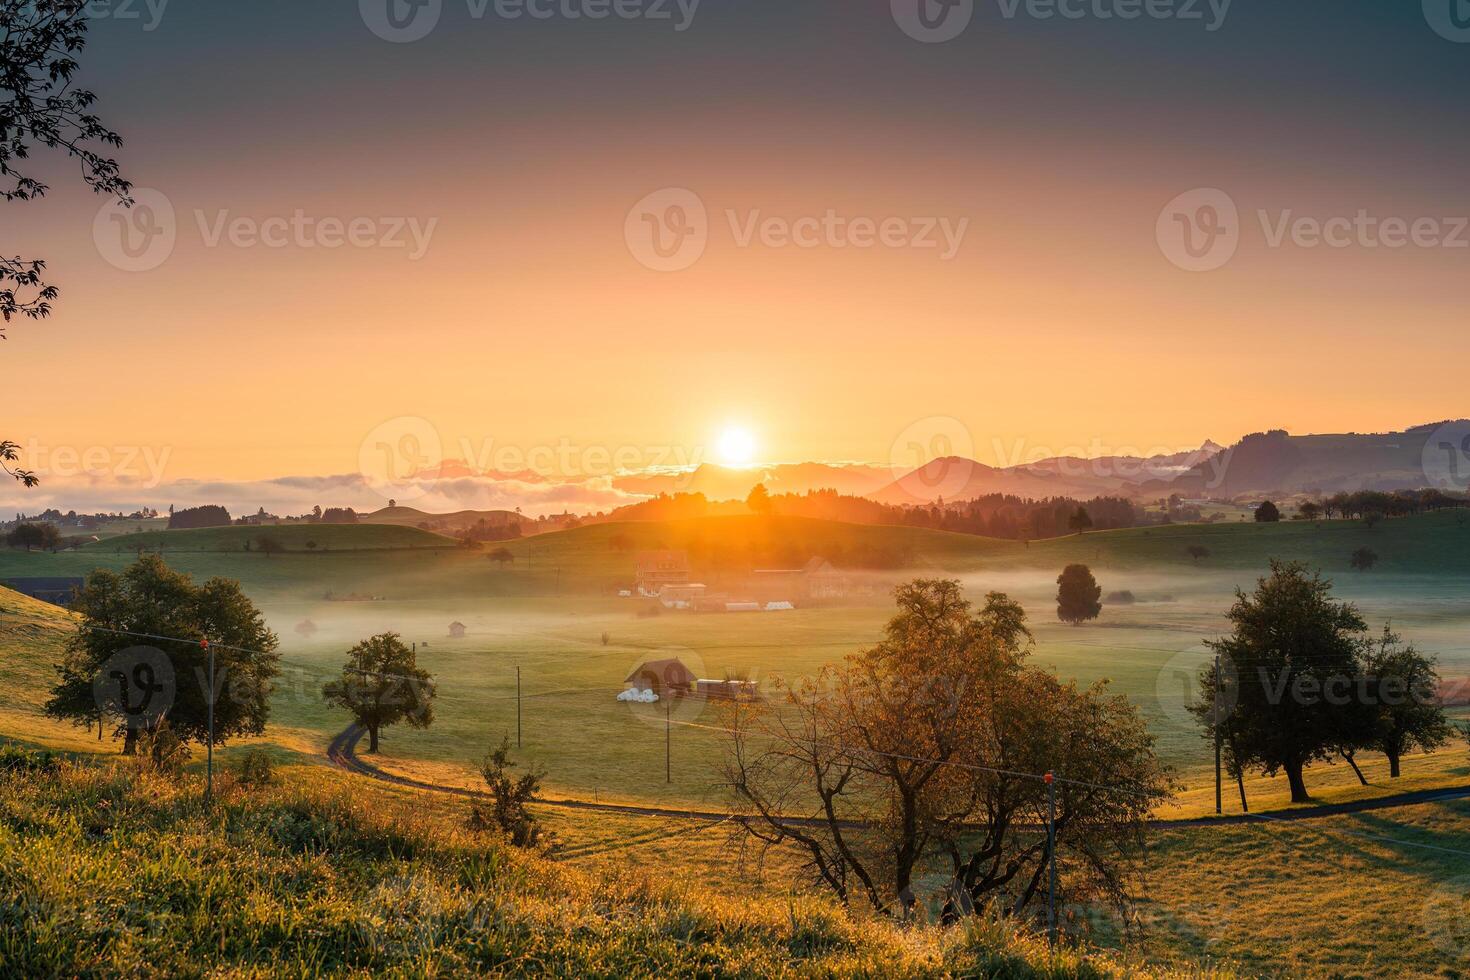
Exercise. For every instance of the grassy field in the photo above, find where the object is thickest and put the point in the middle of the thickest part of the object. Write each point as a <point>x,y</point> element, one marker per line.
<point>293,537</point>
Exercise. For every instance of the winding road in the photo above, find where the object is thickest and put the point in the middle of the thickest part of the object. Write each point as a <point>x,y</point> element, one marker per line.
<point>343,753</point>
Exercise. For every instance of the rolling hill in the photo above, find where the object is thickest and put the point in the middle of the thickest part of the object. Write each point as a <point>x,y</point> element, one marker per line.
<point>291,537</point>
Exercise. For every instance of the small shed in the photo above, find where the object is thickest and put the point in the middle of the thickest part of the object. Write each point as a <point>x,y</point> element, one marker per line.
<point>456,630</point>
<point>728,690</point>
<point>660,676</point>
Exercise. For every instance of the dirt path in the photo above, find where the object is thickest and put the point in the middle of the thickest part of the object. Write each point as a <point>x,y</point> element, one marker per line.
<point>342,752</point>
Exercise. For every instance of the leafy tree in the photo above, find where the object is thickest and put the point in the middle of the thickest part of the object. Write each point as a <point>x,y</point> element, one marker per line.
<point>1197,551</point>
<point>268,545</point>
<point>1078,595</point>
<point>30,536</point>
<point>39,106</point>
<point>502,555</point>
<point>906,754</point>
<point>122,612</point>
<point>1267,513</point>
<point>510,796</point>
<point>1293,646</point>
<point>1403,695</point>
<point>209,515</point>
<point>759,500</point>
<point>1309,511</point>
<point>382,684</point>
<point>1363,559</point>
<point>1372,518</point>
<point>1080,520</point>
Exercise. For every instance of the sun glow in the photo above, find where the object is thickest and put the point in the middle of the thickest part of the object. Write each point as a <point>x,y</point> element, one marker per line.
<point>736,446</point>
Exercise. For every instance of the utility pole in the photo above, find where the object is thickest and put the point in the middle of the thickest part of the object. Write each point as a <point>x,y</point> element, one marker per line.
<point>668,742</point>
<point>518,705</point>
<point>1215,717</point>
<point>1051,856</point>
<point>209,763</point>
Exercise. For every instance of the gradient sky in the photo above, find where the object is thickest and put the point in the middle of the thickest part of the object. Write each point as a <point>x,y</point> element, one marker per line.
<point>1059,324</point>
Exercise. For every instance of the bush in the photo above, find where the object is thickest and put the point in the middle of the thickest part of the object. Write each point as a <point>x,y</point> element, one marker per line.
<point>162,751</point>
<point>256,769</point>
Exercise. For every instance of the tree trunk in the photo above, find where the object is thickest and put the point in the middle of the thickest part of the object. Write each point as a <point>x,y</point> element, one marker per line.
<point>372,739</point>
<point>1393,765</point>
<point>130,742</point>
<point>1240,782</point>
<point>1298,785</point>
<point>1353,762</point>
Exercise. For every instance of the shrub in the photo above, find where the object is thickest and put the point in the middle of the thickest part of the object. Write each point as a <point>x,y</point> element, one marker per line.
<point>256,769</point>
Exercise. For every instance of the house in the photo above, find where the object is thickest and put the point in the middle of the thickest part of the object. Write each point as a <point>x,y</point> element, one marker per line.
<point>306,627</point>
<point>58,591</point>
<point>656,569</point>
<point>660,676</point>
<point>456,630</point>
<point>727,690</point>
<point>681,596</point>
<point>816,579</point>
<point>822,581</point>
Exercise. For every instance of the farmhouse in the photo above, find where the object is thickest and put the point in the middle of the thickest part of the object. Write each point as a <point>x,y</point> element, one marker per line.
<point>58,591</point>
<point>656,569</point>
<point>816,579</point>
<point>681,596</point>
<point>456,630</point>
<point>660,676</point>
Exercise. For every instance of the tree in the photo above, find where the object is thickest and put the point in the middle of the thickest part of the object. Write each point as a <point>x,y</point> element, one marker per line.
<point>1363,559</point>
<point>1267,513</point>
<point>510,796</point>
<point>1372,518</point>
<point>268,545</point>
<point>39,106</point>
<point>502,555</point>
<point>1295,649</point>
<point>759,500</point>
<point>1078,595</point>
<point>1080,521</point>
<point>1403,695</point>
<point>30,536</point>
<point>382,684</point>
<point>913,752</point>
<point>1309,511</point>
<point>1197,551</point>
<point>168,677</point>
<point>9,453</point>
<point>209,515</point>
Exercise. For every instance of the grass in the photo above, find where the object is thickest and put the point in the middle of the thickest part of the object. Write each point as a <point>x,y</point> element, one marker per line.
<point>293,537</point>
<point>107,871</point>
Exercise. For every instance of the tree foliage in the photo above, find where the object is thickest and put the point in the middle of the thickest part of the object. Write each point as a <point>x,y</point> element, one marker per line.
<point>382,684</point>
<point>1267,513</point>
<point>1078,595</point>
<point>910,752</point>
<point>149,600</point>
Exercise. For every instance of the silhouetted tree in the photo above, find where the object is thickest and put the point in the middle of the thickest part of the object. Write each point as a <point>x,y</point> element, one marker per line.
<point>1403,695</point>
<point>1077,595</point>
<point>1080,520</point>
<point>1197,551</point>
<point>382,684</point>
<point>1364,559</point>
<point>759,499</point>
<point>510,796</point>
<point>502,555</point>
<point>1310,511</point>
<point>268,545</point>
<point>1267,513</point>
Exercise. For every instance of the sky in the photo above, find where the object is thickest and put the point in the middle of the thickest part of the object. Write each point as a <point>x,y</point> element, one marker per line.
<point>1005,229</point>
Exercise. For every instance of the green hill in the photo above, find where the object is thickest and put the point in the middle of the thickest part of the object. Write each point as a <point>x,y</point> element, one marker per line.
<point>31,638</point>
<point>292,537</point>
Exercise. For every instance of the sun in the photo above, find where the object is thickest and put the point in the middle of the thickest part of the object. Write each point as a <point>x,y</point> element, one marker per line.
<point>736,446</point>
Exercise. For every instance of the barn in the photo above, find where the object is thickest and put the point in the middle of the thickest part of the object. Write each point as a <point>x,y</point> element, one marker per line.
<point>660,676</point>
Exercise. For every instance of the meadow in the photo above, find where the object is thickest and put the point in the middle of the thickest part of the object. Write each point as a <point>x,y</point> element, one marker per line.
<point>1367,893</point>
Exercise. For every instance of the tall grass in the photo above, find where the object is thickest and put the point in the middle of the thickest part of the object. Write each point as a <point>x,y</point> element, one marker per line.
<point>111,871</point>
